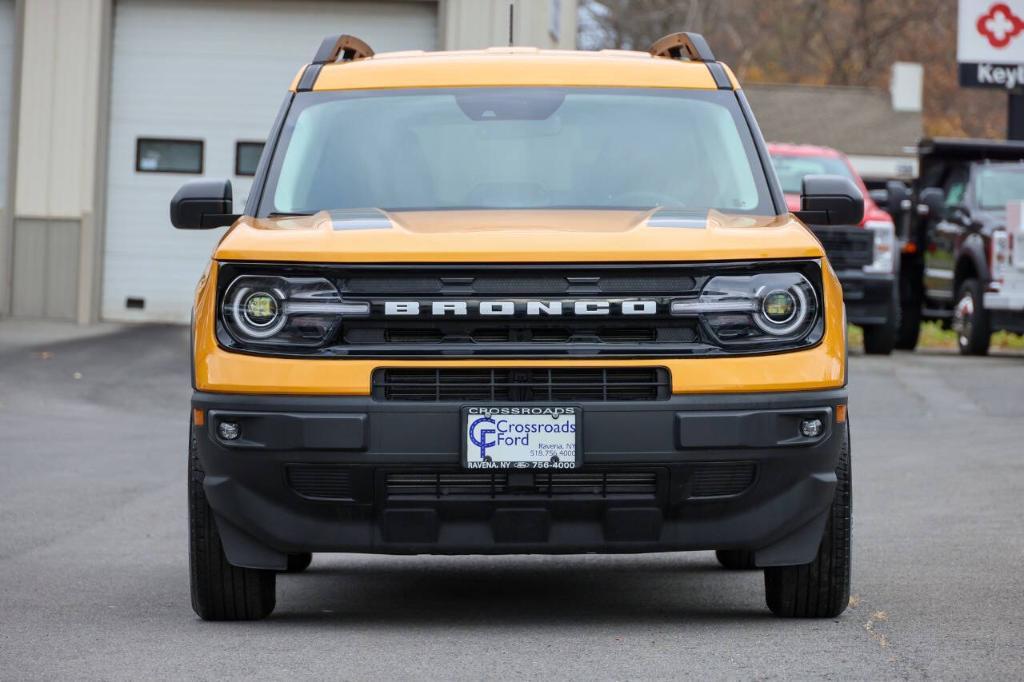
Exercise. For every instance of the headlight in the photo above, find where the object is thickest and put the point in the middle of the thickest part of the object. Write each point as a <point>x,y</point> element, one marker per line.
<point>883,259</point>
<point>757,311</point>
<point>277,311</point>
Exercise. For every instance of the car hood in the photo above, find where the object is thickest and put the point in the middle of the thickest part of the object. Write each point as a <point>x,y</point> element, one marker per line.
<point>989,219</point>
<point>510,236</point>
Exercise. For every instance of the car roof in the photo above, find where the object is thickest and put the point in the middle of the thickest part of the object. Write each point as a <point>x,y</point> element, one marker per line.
<point>787,149</point>
<point>966,149</point>
<point>515,66</point>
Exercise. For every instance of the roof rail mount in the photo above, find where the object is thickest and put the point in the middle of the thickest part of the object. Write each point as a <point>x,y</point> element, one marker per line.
<point>349,48</point>
<point>678,45</point>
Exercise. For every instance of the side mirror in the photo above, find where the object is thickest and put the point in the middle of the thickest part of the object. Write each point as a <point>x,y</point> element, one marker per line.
<point>931,203</point>
<point>897,198</point>
<point>879,196</point>
<point>960,214</point>
<point>202,205</point>
<point>830,200</point>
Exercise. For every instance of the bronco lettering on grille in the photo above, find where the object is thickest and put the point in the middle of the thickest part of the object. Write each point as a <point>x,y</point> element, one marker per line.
<point>588,307</point>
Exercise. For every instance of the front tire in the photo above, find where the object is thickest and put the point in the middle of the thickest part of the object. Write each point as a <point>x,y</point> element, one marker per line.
<point>820,589</point>
<point>880,339</point>
<point>297,563</point>
<point>970,320</point>
<point>735,559</point>
<point>220,591</point>
<point>910,316</point>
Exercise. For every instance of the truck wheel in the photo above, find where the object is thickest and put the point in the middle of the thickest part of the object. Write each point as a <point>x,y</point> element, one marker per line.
<point>735,559</point>
<point>880,339</point>
<point>297,563</point>
<point>220,591</point>
<point>909,318</point>
<point>820,589</point>
<point>970,320</point>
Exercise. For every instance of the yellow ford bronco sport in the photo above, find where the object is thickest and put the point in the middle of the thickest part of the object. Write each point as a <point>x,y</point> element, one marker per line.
<point>518,301</point>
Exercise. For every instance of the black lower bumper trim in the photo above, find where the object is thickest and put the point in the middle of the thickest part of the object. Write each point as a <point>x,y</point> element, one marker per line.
<point>691,472</point>
<point>1008,320</point>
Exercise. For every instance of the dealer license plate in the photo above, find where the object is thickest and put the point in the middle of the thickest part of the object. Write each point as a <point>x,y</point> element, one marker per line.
<point>519,437</point>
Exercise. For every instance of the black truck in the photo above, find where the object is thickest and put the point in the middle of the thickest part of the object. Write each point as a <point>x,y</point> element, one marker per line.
<point>957,262</point>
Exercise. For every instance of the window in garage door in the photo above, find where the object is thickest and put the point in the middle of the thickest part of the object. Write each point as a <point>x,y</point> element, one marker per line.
<point>168,156</point>
<point>217,71</point>
<point>247,157</point>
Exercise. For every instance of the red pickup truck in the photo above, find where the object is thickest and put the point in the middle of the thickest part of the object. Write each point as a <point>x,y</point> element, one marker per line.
<point>864,257</point>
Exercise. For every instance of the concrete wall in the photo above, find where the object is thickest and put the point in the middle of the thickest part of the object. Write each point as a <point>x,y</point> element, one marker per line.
<point>58,166</point>
<point>10,121</point>
<point>46,255</point>
<point>470,24</point>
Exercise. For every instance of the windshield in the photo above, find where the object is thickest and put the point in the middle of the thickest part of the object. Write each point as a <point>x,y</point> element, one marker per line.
<point>792,169</point>
<point>998,186</point>
<point>516,148</point>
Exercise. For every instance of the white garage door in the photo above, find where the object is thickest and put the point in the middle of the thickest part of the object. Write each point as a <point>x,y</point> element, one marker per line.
<point>6,82</point>
<point>192,83</point>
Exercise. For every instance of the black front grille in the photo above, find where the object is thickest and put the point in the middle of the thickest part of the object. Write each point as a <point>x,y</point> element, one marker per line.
<point>685,331</point>
<point>321,482</point>
<point>721,479</point>
<point>598,485</point>
<point>522,385</point>
<point>847,247</point>
<point>515,311</point>
<point>559,280</point>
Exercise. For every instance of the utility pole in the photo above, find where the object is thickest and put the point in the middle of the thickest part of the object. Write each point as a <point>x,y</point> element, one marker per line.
<point>1015,115</point>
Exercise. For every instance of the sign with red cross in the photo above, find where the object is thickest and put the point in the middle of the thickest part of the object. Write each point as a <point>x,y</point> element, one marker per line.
<point>990,44</point>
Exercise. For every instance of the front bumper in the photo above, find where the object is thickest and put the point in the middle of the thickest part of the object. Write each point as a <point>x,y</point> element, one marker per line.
<point>1005,302</point>
<point>1006,308</point>
<point>870,298</point>
<point>332,474</point>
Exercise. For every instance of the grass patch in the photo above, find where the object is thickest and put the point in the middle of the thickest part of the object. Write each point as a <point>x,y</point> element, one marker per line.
<point>933,336</point>
<point>1007,341</point>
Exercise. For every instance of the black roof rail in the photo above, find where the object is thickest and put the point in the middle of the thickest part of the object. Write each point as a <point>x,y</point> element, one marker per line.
<point>693,47</point>
<point>679,45</point>
<point>349,48</point>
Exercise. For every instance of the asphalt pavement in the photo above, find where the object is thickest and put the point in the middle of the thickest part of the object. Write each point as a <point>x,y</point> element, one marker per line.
<point>94,581</point>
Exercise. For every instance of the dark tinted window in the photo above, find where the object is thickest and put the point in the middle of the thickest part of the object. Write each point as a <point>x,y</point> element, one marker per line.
<point>153,155</point>
<point>247,157</point>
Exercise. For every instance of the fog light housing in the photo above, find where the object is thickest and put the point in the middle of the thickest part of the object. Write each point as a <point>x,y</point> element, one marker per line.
<point>811,428</point>
<point>229,430</point>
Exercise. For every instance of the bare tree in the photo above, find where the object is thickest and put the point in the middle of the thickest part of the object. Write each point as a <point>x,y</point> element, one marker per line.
<point>835,42</point>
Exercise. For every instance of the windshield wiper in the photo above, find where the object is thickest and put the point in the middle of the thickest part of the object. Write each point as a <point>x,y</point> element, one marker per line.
<point>290,214</point>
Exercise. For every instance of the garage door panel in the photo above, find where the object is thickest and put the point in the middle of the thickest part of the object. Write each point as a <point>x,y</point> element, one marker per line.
<point>258,28</point>
<point>216,72</point>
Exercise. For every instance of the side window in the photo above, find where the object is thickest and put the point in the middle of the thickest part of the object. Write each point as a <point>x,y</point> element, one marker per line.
<point>161,155</point>
<point>956,186</point>
<point>247,157</point>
